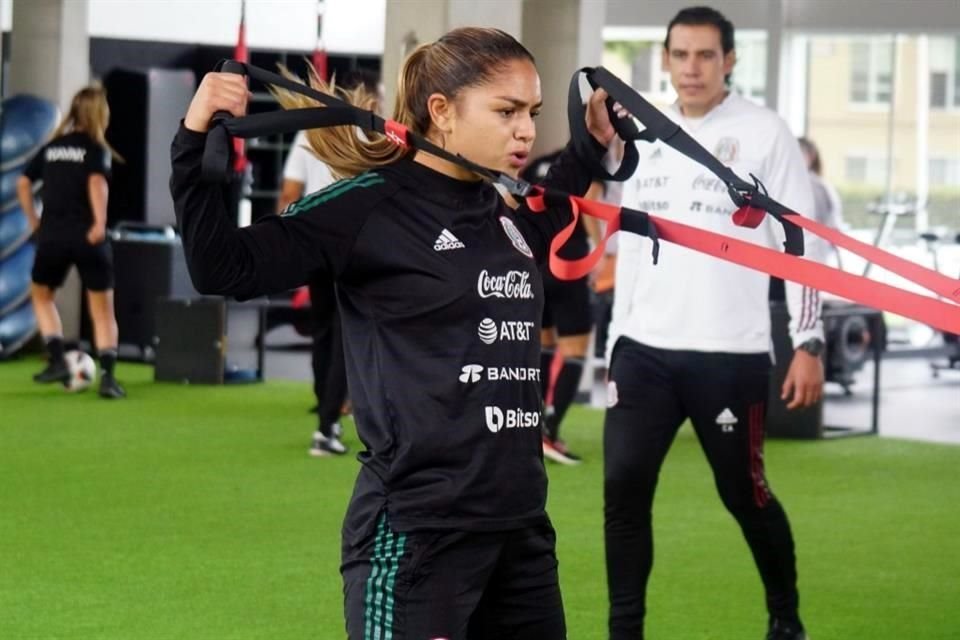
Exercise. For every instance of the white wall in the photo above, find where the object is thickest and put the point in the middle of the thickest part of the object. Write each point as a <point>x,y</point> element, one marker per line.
<point>271,24</point>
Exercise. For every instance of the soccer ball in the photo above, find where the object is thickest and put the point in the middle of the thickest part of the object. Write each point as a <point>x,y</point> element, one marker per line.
<point>83,371</point>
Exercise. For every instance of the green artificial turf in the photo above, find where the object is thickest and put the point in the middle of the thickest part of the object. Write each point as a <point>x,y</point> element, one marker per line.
<point>195,512</point>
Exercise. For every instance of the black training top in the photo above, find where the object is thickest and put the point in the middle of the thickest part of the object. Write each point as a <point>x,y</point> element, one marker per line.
<point>64,164</point>
<point>441,301</point>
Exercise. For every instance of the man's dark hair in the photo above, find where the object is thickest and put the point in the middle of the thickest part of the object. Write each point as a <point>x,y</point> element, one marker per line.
<point>704,15</point>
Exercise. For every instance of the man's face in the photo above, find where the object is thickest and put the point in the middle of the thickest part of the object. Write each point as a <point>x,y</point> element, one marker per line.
<point>697,67</point>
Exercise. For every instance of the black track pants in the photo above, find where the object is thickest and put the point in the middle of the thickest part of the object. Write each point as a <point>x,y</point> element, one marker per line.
<point>653,391</point>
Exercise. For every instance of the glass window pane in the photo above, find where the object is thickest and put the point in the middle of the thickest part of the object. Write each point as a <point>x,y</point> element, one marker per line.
<point>856,169</point>
<point>938,90</point>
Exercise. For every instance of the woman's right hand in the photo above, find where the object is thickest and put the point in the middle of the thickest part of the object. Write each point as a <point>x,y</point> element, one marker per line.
<point>217,92</point>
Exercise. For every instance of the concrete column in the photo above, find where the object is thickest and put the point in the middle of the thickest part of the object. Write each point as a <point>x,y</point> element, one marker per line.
<point>563,36</point>
<point>50,58</point>
<point>50,49</point>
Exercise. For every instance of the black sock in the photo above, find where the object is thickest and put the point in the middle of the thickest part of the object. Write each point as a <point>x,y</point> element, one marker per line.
<point>546,359</point>
<point>54,346</point>
<point>563,392</point>
<point>108,360</point>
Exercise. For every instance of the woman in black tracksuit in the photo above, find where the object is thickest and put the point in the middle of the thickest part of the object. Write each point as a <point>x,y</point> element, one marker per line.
<point>446,535</point>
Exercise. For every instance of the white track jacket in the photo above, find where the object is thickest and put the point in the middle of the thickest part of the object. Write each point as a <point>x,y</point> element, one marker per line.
<point>692,301</point>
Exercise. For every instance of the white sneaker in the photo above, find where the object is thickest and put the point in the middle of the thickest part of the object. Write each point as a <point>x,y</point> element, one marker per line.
<point>326,445</point>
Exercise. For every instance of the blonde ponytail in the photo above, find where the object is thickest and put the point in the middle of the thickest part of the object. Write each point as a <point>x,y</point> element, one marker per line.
<point>465,57</point>
<point>342,149</point>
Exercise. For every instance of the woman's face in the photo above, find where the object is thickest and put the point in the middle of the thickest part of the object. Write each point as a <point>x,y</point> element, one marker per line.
<point>493,124</point>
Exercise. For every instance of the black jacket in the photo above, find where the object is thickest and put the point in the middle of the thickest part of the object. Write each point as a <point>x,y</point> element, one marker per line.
<point>441,302</point>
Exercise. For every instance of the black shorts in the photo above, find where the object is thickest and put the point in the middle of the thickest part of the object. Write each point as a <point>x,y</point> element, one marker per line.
<point>567,306</point>
<point>453,585</point>
<point>55,257</point>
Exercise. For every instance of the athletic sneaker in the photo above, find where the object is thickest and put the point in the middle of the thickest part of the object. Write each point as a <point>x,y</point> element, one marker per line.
<point>784,630</point>
<point>53,372</point>
<point>557,451</point>
<point>110,388</point>
<point>327,445</point>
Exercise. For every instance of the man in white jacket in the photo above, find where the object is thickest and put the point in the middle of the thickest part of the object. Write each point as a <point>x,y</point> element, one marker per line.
<point>690,338</point>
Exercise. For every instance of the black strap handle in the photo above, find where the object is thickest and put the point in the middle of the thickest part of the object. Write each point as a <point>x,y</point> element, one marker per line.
<point>586,144</point>
<point>218,150</point>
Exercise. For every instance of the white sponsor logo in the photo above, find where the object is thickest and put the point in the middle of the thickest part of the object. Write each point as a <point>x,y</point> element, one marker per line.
<point>514,285</point>
<point>515,236</point>
<point>487,331</point>
<point>474,372</point>
<point>613,396</point>
<point>524,374</point>
<point>498,419</point>
<point>471,373</point>
<point>508,330</point>
<point>65,154</point>
<point>726,420</point>
<point>706,182</point>
<point>447,241</point>
<point>727,150</point>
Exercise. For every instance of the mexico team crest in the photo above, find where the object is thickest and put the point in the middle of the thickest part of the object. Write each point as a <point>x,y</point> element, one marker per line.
<point>515,236</point>
<point>728,150</point>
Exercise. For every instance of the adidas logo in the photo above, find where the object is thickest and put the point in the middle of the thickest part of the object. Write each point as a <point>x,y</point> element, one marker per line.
<point>447,241</point>
<point>726,419</point>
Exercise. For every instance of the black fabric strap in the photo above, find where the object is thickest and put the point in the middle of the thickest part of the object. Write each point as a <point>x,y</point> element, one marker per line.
<point>216,158</point>
<point>585,143</point>
<point>659,126</point>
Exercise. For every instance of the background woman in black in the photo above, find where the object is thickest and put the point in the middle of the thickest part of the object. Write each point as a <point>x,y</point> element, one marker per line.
<point>446,535</point>
<point>74,168</point>
<point>567,321</point>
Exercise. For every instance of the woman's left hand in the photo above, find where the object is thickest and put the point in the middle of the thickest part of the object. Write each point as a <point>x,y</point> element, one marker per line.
<point>598,120</point>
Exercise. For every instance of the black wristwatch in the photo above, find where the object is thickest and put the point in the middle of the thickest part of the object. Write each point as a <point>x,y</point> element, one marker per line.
<point>813,346</point>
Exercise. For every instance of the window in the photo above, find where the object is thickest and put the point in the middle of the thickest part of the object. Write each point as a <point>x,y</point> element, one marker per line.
<point>944,73</point>
<point>944,172</point>
<point>634,56</point>
<point>871,71</point>
<point>866,169</point>
<point>750,73</point>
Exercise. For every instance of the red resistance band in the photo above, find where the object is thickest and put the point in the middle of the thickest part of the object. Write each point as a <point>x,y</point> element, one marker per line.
<point>936,313</point>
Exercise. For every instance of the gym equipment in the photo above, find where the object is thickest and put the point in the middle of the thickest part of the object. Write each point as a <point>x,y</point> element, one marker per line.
<point>145,110</point>
<point>25,123</point>
<point>192,346</point>
<point>14,231</point>
<point>16,329</point>
<point>15,278</point>
<point>848,342</point>
<point>8,183</point>
<point>148,266</point>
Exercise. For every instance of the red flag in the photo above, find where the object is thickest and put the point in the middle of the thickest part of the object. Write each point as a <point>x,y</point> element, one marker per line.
<point>319,51</point>
<point>320,62</point>
<point>241,54</point>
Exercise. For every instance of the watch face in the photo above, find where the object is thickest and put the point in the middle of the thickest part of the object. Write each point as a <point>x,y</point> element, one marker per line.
<point>813,346</point>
